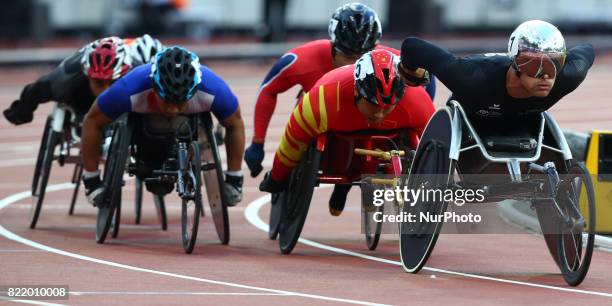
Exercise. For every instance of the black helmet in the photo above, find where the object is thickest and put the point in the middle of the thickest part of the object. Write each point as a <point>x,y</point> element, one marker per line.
<point>354,28</point>
<point>176,74</point>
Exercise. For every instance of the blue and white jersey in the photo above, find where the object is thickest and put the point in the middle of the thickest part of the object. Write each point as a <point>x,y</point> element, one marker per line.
<point>134,93</point>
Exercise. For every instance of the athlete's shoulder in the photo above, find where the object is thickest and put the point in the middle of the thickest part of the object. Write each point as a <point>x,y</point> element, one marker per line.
<point>137,80</point>
<point>342,75</point>
<point>313,47</point>
<point>383,47</point>
<point>501,59</point>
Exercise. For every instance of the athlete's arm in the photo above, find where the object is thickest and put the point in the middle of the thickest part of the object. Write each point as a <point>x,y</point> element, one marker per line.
<point>306,122</point>
<point>578,62</point>
<point>277,80</point>
<point>456,73</point>
<point>94,122</point>
<point>234,140</point>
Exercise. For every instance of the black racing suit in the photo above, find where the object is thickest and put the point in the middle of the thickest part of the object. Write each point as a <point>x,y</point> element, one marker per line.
<point>478,82</point>
<point>65,84</point>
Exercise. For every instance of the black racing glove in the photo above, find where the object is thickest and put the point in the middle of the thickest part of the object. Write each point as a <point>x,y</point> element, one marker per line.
<point>14,116</point>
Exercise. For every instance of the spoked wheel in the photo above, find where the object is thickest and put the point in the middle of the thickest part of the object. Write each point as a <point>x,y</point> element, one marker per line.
<point>42,171</point>
<point>275,214</point>
<point>192,205</point>
<point>576,199</point>
<point>76,180</point>
<point>212,174</point>
<point>431,168</point>
<point>113,177</point>
<point>160,207</point>
<point>137,200</point>
<point>298,195</point>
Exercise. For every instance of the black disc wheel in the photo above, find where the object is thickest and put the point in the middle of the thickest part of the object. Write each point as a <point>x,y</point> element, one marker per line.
<point>212,174</point>
<point>298,194</point>
<point>431,169</point>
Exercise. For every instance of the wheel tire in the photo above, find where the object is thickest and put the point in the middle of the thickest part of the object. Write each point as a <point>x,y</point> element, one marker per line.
<point>417,241</point>
<point>137,201</point>
<point>43,176</point>
<point>298,195</point>
<point>574,257</point>
<point>212,174</point>
<point>113,177</point>
<point>116,220</point>
<point>41,155</point>
<point>191,208</point>
<point>276,203</point>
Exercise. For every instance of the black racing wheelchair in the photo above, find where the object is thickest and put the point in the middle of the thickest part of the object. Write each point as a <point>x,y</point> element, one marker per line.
<point>536,165</point>
<point>60,142</point>
<point>165,154</point>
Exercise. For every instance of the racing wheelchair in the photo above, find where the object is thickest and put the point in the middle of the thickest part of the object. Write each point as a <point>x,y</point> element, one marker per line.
<point>162,153</point>
<point>345,158</point>
<point>60,141</point>
<point>536,166</point>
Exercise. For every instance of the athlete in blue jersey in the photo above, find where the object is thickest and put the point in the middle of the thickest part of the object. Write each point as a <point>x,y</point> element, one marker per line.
<point>174,83</point>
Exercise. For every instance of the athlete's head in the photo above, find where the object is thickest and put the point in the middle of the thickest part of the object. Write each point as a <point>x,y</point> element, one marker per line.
<point>354,29</point>
<point>104,61</point>
<point>537,50</point>
<point>144,48</point>
<point>175,75</point>
<point>378,86</point>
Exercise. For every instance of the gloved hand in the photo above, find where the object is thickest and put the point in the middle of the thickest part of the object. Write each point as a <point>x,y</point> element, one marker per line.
<point>270,185</point>
<point>233,188</point>
<point>16,117</point>
<point>94,188</point>
<point>417,77</point>
<point>253,156</point>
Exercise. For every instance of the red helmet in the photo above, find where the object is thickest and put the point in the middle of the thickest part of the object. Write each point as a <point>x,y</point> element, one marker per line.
<point>106,59</point>
<point>377,79</point>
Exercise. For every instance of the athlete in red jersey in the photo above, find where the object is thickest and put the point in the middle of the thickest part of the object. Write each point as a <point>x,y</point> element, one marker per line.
<point>354,29</point>
<point>367,95</point>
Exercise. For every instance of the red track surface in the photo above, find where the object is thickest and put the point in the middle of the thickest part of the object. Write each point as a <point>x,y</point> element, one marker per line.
<point>465,269</point>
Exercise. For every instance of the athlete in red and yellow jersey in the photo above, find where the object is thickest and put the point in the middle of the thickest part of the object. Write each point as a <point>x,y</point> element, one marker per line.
<point>367,95</point>
<point>354,29</point>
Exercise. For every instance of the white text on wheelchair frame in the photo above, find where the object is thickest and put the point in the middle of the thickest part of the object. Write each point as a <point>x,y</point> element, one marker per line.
<point>411,197</point>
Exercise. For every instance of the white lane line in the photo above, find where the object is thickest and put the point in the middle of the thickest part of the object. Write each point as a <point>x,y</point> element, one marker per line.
<point>80,293</point>
<point>252,215</point>
<point>12,236</point>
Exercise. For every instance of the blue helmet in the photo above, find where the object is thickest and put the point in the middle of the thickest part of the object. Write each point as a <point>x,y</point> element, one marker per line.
<point>176,74</point>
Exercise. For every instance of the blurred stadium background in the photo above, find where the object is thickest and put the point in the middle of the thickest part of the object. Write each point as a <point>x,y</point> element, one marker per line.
<point>33,31</point>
